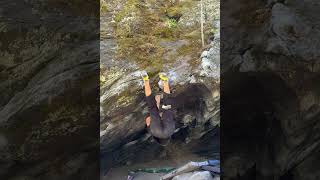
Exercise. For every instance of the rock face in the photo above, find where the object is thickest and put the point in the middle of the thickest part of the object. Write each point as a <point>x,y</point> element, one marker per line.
<point>197,175</point>
<point>270,90</point>
<point>194,79</point>
<point>48,69</point>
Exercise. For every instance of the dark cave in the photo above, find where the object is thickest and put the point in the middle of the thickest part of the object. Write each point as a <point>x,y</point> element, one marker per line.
<point>250,128</point>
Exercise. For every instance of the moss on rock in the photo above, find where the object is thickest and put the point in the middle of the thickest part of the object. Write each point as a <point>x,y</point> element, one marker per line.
<point>103,6</point>
<point>141,26</point>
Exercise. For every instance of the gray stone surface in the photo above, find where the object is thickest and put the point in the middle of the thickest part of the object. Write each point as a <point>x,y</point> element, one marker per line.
<point>197,175</point>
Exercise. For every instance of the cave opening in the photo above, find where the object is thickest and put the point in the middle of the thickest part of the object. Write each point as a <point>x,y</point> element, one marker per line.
<point>249,125</point>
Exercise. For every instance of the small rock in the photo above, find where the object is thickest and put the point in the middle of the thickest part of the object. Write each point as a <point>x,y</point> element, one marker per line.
<point>204,54</point>
<point>198,175</point>
<point>187,119</point>
<point>193,80</point>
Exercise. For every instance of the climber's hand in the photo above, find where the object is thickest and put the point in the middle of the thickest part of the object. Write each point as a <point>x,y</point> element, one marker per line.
<point>148,121</point>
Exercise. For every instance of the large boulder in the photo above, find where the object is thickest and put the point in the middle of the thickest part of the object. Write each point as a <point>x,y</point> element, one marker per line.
<point>194,82</point>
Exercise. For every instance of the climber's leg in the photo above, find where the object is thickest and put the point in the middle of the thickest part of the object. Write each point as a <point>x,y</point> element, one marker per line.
<point>156,127</point>
<point>165,80</point>
<point>150,99</point>
<point>168,123</point>
<point>151,102</point>
<point>166,87</point>
<point>154,120</point>
<point>168,114</point>
<point>167,100</point>
<point>152,106</point>
<point>147,88</point>
<point>163,128</point>
<point>146,82</point>
<point>158,99</point>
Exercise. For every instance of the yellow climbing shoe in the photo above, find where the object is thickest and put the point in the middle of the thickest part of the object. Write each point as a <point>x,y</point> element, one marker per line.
<point>163,77</point>
<point>145,76</point>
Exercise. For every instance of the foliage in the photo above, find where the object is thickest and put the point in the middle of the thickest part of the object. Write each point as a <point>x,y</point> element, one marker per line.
<point>171,23</point>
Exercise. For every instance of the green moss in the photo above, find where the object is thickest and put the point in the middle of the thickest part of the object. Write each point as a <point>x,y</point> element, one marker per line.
<point>189,49</point>
<point>167,33</point>
<point>121,101</point>
<point>138,38</point>
<point>171,23</point>
<point>125,99</point>
<point>103,7</point>
<point>193,50</point>
<point>174,12</point>
<point>124,31</point>
<point>141,49</point>
<point>129,8</point>
<point>194,46</point>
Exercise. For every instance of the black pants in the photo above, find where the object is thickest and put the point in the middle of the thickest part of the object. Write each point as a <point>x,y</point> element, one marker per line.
<point>161,127</point>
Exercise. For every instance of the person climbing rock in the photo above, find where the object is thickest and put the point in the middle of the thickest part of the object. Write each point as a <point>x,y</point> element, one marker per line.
<point>160,122</point>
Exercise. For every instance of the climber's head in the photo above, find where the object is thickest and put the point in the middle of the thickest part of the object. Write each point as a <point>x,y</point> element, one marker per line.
<point>162,142</point>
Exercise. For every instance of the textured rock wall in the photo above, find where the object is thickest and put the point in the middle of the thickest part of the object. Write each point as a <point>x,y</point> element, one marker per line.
<point>152,36</point>
<point>270,54</point>
<point>49,89</point>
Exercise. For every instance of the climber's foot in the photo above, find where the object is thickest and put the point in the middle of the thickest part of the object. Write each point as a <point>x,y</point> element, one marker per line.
<point>144,76</point>
<point>164,82</point>
<point>163,76</point>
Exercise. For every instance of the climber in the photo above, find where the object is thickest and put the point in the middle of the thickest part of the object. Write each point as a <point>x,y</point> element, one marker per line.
<point>160,122</point>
